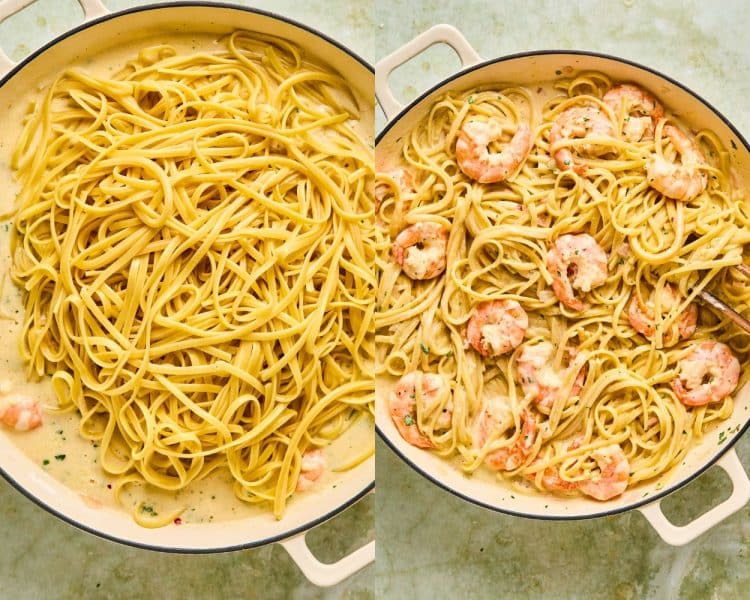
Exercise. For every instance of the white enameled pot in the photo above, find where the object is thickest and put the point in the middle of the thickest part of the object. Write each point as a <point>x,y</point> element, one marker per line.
<point>716,448</point>
<point>103,32</point>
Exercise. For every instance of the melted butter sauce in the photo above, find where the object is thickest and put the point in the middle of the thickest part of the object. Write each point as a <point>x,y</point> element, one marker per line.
<point>56,446</point>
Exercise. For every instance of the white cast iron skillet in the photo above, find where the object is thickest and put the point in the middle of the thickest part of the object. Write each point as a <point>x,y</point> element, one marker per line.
<point>101,33</point>
<point>716,447</point>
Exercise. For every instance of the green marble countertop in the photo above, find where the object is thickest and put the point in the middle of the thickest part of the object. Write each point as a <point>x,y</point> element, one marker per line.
<point>434,545</point>
<point>42,557</point>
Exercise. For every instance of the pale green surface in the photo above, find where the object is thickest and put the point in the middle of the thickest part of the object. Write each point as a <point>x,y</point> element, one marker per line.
<point>41,557</point>
<point>432,544</point>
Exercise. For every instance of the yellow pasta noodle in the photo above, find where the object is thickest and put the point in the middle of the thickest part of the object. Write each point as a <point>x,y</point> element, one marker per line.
<point>195,240</point>
<point>499,238</point>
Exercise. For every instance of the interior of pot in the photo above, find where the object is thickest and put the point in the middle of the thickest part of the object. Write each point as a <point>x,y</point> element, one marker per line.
<point>534,68</point>
<point>109,39</point>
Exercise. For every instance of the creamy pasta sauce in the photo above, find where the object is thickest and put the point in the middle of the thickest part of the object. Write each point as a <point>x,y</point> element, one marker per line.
<point>56,446</point>
<point>559,414</point>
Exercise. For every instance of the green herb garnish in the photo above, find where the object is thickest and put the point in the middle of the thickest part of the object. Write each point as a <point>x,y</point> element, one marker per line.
<point>59,457</point>
<point>424,348</point>
<point>408,421</point>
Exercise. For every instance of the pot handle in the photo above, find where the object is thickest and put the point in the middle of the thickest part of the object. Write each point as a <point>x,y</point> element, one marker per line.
<point>678,536</point>
<point>323,574</point>
<point>92,9</point>
<point>439,34</point>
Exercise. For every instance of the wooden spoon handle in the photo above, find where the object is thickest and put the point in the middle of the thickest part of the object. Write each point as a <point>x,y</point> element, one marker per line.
<point>725,309</point>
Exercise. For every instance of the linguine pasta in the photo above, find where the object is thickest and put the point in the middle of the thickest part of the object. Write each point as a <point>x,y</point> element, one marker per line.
<point>614,384</point>
<point>195,241</point>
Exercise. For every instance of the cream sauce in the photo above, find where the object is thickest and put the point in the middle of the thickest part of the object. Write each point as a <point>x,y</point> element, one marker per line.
<point>389,161</point>
<point>56,446</point>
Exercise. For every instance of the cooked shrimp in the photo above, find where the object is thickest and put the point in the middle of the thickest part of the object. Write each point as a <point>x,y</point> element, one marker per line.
<point>642,317</point>
<point>475,160</point>
<point>708,374</point>
<point>576,261</point>
<point>495,416</point>
<point>420,250</point>
<point>401,177</point>
<point>680,182</point>
<point>313,466</point>
<point>540,381</point>
<point>550,477</point>
<point>642,110</point>
<point>22,413</point>
<point>512,457</point>
<point>423,392</point>
<point>579,122</point>
<point>552,482</point>
<point>614,473</point>
<point>496,327</point>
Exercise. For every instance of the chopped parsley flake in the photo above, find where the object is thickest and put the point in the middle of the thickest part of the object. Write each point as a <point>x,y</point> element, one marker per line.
<point>59,457</point>
<point>408,421</point>
<point>45,462</point>
<point>470,99</point>
<point>722,437</point>
<point>424,348</point>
